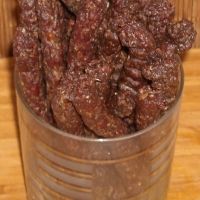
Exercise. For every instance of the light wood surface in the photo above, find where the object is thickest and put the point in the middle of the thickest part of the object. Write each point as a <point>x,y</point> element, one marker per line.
<point>8,19</point>
<point>185,181</point>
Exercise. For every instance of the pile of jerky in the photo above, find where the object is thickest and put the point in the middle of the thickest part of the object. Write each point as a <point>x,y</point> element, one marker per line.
<point>100,68</point>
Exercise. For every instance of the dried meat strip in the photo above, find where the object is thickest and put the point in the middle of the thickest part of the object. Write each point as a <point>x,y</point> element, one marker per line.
<point>140,43</point>
<point>90,102</point>
<point>137,39</point>
<point>111,67</point>
<point>28,60</point>
<point>52,24</point>
<point>123,101</point>
<point>82,47</point>
<point>80,50</point>
<point>55,26</point>
<point>163,72</point>
<point>126,7</point>
<point>65,114</point>
<point>159,14</point>
<point>109,44</point>
<point>28,15</point>
<point>182,34</point>
<point>147,109</point>
<point>124,12</point>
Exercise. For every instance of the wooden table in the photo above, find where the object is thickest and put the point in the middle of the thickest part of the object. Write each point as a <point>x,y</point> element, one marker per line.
<point>185,182</point>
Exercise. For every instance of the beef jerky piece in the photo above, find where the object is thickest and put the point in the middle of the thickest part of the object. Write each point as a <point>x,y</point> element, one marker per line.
<point>27,62</point>
<point>135,63</point>
<point>109,44</point>
<point>164,75</point>
<point>147,109</point>
<point>63,108</point>
<point>166,49</point>
<point>82,44</point>
<point>129,8</point>
<point>159,14</point>
<point>144,3</point>
<point>100,71</point>
<point>90,102</point>
<point>126,7</point>
<point>125,12</point>
<point>123,100</point>
<point>132,74</point>
<point>169,49</point>
<point>130,81</point>
<point>107,77</point>
<point>140,42</point>
<point>28,16</point>
<point>26,49</point>
<point>122,103</point>
<point>73,5</point>
<point>137,39</point>
<point>80,51</point>
<point>163,72</point>
<point>117,63</point>
<point>52,22</point>
<point>132,6</point>
<point>65,114</point>
<point>97,117</point>
<point>182,34</point>
<point>119,21</point>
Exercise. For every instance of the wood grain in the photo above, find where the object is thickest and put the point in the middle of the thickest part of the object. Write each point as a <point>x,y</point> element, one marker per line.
<point>8,21</point>
<point>8,16</point>
<point>185,181</point>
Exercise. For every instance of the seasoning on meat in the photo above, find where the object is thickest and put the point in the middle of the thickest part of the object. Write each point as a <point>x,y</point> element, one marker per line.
<point>159,14</point>
<point>82,47</point>
<point>101,68</point>
<point>182,34</point>
<point>51,18</point>
<point>90,97</point>
<point>27,55</point>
